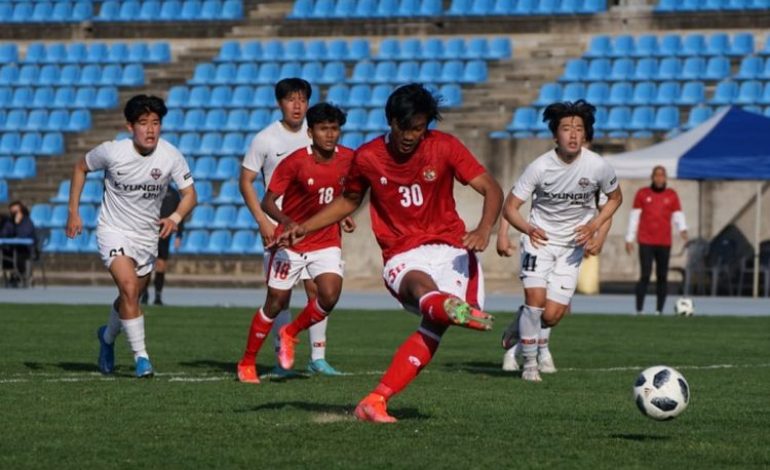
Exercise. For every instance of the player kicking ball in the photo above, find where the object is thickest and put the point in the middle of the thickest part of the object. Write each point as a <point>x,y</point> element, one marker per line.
<point>137,172</point>
<point>308,180</point>
<point>429,256</point>
<point>563,226</point>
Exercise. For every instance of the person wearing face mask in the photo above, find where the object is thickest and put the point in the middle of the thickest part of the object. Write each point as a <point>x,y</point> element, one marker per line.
<point>649,224</point>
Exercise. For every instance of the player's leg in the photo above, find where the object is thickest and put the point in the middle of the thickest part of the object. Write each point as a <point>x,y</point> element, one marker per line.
<point>662,254</point>
<point>281,320</point>
<point>645,270</point>
<point>106,334</point>
<point>317,333</point>
<point>160,279</point>
<point>261,323</point>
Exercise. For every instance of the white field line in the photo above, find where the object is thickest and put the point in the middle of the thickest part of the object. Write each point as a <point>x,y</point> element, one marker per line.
<point>187,377</point>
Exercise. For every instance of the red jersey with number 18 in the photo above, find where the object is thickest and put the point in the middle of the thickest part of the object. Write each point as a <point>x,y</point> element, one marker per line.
<point>412,201</point>
<point>307,187</point>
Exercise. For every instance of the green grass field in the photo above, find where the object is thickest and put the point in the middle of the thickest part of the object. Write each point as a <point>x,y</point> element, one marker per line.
<point>462,412</point>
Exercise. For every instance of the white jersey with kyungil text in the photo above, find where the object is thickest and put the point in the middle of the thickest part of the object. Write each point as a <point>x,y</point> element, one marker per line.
<point>134,185</point>
<point>271,145</point>
<point>564,195</point>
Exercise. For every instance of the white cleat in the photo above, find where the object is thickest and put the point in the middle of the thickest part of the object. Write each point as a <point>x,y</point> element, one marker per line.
<point>531,374</point>
<point>512,358</point>
<point>545,364</point>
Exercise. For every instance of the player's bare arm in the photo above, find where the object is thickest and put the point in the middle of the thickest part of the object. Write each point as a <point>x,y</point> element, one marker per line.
<point>504,245</point>
<point>478,238</point>
<point>511,213</point>
<point>250,197</point>
<point>170,224</point>
<point>595,244</point>
<point>74,224</point>
<point>340,208</point>
<point>270,207</point>
<point>587,231</point>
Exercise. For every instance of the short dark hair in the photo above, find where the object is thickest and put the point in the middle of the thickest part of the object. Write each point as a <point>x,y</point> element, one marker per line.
<point>287,86</point>
<point>409,100</point>
<point>24,209</point>
<point>143,104</point>
<point>325,112</point>
<point>555,112</point>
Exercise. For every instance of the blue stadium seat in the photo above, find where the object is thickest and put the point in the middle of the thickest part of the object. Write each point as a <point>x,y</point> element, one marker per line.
<point>666,118</point>
<point>574,70</point>
<point>500,48</point>
<point>77,52</point>
<point>644,94</point>
<point>251,51</point>
<point>205,191</point>
<point>598,69</point>
<point>430,71</point>
<point>725,93</point>
<point>549,93</point>
<point>230,51</point>
<point>344,9</point>
<point>202,216</point>
<point>294,49</point>
<point>765,98</point>
<point>333,72</point>
<point>224,73</point>
<point>356,119</point>
<point>409,49</point>
<point>244,219</point>
<point>203,75</point>
<point>380,94</point>
<point>213,120</point>
<point>24,168</point>
<point>237,120</point>
<point>188,144</point>
<point>36,53</point>
<point>316,50</point>
<point>301,9</point>
<point>718,44</point>
<point>194,242</point>
<point>106,97</point>
<point>89,215</point>
<point>642,118</point>
<point>258,120</point>
<point>211,143</point>
<point>407,72</point>
<point>459,8</point>
<point>692,93</point>
<point>63,194</point>
<point>15,121</point>
<point>49,75</point>
<point>750,68</point>
<point>622,69</point>
<point>268,73</point>
<point>289,69</point>
<point>359,49</point>
<point>37,120</point>
<point>668,93</point>
<point>9,53</point>
<point>646,69</point>
<point>337,49</point>
<point>272,50</point>
<point>177,97</point>
<point>693,45</point>
<point>619,118</point>
<point>229,167</point>
<point>599,47</point>
<point>92,192</point>
<point>591,7</point>
<point>669,45</point>
<point>389,49</point>
<point>79,121</point>
<point>431,8</point>
<point>59,214</point>
<point>9,143</point>
<point>170,10</point>
<point>451,71</point>
<point>40,214</point>
<point>454,49</point>
<point>149,11</point>
<point>384,72</point>
<point>224,216</point>
<point>523,119</point>
<point>52,144</point>
<point>241,242</point>
<point>694,68</point>
<point>264,97</point>
<point>6,167</point>
<point>193,120</point>
<point>360,95</point>
<point>91,74</point>
<point>210,10</point>
<point>118,53</point>
<point>28,74</point>
<point>717,68</point>
<point>199,97</point>
<point>191,10</point>
<point>646,46</point>
<point>742,44</point>
<point>257,248</point>
<point>30,143</point>
<point>620,94</point>
<point>481,7</point>
<point>230,194</point>
<point>338,94</point>
<point>524,7</point>
<point>242,97</point>
<point>622,46</point>
<point>697,116</point>
<point>352,140</point>
<point>9,73</point>
<point>246,73</point>
<point>670,68</point>
<point>41,12</point>
<point>749,93</point>
<point>55,241</point>
<point>568,7</point>
<point>574,91</point>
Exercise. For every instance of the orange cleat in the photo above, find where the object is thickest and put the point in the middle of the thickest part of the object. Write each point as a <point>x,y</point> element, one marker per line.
<point>247,373</point>
<point>286,351</point>
<point>463,314</point>
<point>373,408</point>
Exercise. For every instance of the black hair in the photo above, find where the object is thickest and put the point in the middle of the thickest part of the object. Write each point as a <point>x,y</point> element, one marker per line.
<point>24,209</point>
<point>410,100</point>
<point>287,86</point>
<point>325,112</point>
<point>140,105</point>
<point>555,112</point>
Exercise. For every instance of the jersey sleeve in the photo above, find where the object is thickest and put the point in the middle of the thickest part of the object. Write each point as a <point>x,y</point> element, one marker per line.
<point>465,164</point>
<point>282,176</point>
<point>356,180</point>
<point>526,183</point>
<point>609,181</point>
<point>180,172</point>
<point>255,155</point>
<point>99,157</point>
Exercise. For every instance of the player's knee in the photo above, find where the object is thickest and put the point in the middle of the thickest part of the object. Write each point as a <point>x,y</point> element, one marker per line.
<point>327,300</point>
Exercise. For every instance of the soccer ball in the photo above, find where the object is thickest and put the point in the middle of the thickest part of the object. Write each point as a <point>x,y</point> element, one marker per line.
<point>684,307</point>
<point>661,393</point>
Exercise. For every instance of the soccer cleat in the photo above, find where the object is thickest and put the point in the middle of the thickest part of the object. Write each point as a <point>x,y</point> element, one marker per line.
<point>279,372</point>
<point>247,373</point>
<point>144,368</point>
<point>106,362</point>
<point>158,300</point>
<point>462,314</point>
<point>320,366</point>
<point>545,364</point>
<point>373,408</point>
<point>512,358</point>
<point>531,374</point>
<point>286,350</point>
<point>511,333</point>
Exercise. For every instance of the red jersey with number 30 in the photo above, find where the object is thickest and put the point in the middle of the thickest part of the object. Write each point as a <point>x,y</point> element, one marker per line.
<point>307,187</point>
<point>412,202</point>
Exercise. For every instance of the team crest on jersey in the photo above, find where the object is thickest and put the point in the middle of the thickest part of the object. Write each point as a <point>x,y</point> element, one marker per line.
<point>383,180</point>
<point>584,182</point>
<point>156,173</point>
<point>429,174</point>
<point>310,181</point>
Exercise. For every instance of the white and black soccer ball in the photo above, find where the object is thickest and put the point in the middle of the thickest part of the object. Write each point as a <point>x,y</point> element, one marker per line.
<point>661,393</point>
<point>684,307</point>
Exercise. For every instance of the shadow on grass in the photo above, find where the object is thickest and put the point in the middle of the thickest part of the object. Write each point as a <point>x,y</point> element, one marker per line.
<point>640,437</point>
<point>491,369</point>
<point>224,366</point>
<point>325,409</point>
<point>67,366</point>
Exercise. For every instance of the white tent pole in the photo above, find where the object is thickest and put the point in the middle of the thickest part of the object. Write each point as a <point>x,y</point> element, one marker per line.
<point>757,234</point>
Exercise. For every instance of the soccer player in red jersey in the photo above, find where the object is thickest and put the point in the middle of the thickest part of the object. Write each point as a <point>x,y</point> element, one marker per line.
<point>430,265</point>
<point>308,180</point>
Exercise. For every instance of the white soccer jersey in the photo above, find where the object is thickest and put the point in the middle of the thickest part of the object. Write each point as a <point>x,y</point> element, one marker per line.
<point>271,145</point>
<point>134,185</point>
<point>564,195</point>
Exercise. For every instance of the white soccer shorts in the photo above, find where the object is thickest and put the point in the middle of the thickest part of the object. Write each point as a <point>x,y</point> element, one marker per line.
<point>113,243</point>
<point>304,275</point>
<point>455,271</point>
<point>554,268</point>
<point>286,266</point>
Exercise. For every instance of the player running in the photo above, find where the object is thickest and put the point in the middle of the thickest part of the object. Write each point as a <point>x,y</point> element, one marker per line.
<point>308,180</point>
<point>563,226</point>
<point>430,265</point>
<point>268,148</point>
<point>137,173</point>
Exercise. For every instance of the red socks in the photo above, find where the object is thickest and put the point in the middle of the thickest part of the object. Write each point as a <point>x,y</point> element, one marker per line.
<point>432,307</point>
<point>311,315</point>
<point>414,354</point>
<point>260,327</point>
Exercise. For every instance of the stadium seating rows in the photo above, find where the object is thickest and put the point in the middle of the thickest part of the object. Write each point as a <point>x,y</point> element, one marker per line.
<point>72,75</point>
<point>55,120</point>
<point>88,53</point>
<point>675,6</point>
<point>672,44</point>
<point>344,9</point>
<point>117,11</point>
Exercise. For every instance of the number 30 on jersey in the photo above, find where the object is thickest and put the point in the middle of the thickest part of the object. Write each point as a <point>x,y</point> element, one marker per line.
<point>411,195</point>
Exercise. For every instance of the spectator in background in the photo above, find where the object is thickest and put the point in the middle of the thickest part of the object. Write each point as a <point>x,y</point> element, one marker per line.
<point>650,224</point>
<point>167,207</point>
<point>20,226</point>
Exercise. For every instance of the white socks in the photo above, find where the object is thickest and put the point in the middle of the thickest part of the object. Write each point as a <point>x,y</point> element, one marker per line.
<point>318,340</point>
<point>543,340</point>
<point>529,332</point>
<point>283,319</point>
<point>134,329</point>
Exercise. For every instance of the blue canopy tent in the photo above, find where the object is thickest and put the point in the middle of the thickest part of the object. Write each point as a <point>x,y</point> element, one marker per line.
<point>731,145</point>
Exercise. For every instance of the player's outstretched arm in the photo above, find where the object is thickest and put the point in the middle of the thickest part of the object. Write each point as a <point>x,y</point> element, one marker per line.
<point>250,197</point>
<point>511,213</point>
<point>587,231</point>
<point>504,246</point>
<point>74,224</point>
<point>478,238</point>
<point>170,224</point>
<point>339,208</point>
